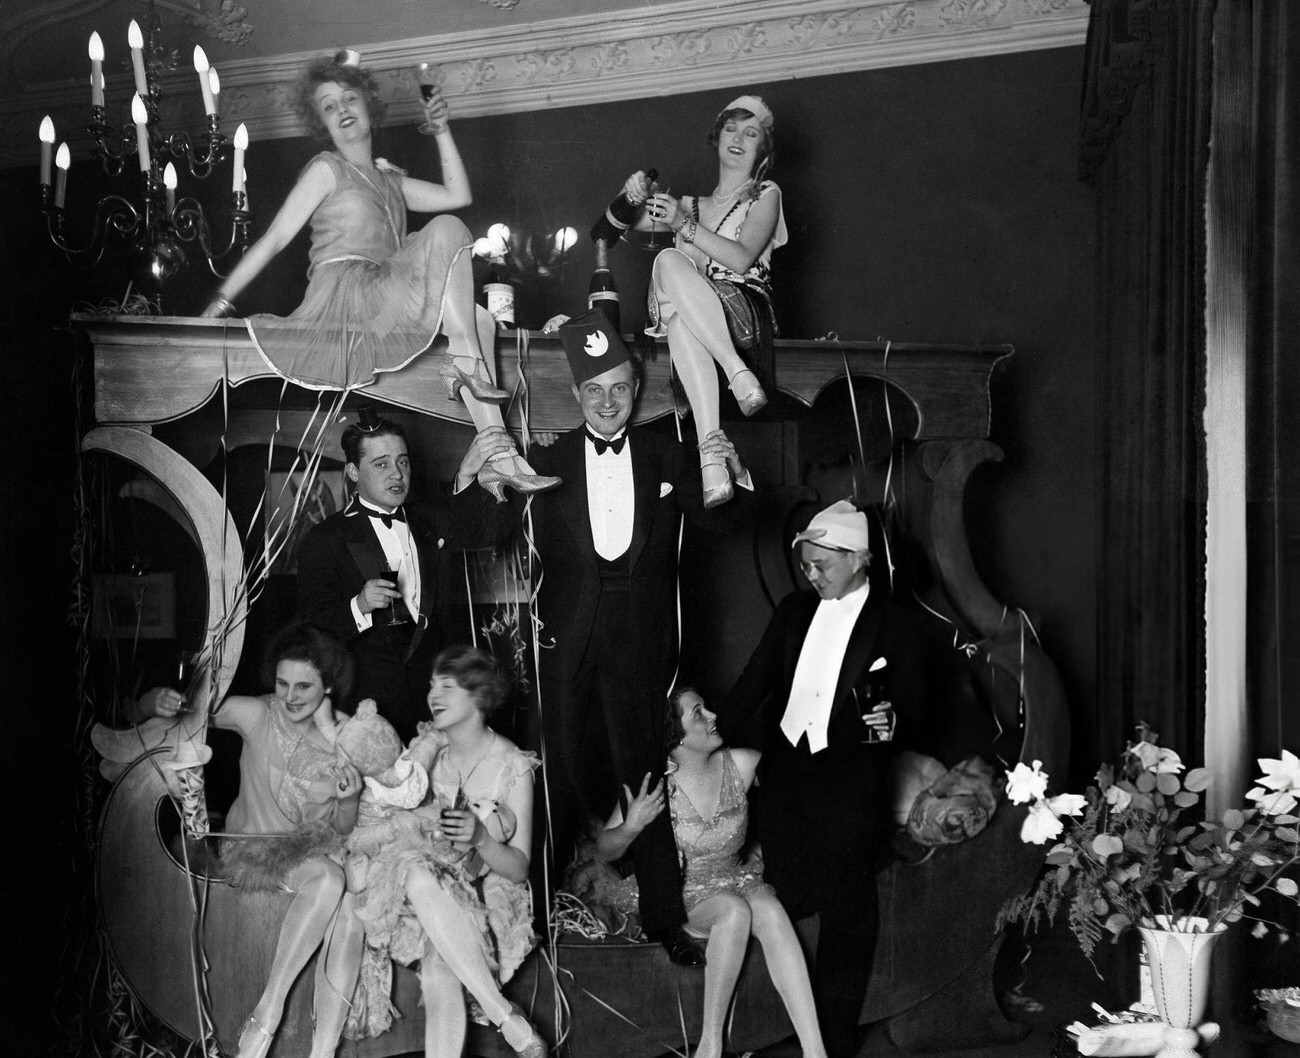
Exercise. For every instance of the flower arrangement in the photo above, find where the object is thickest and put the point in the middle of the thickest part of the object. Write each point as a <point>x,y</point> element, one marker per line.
<point>1134,849</point>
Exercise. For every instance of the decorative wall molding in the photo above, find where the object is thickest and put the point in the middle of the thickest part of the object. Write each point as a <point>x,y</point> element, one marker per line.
<point>660,51</point>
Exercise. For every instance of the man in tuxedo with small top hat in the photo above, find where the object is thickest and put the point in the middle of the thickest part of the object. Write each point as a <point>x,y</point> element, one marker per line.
<point>608,541</point>
<point>389,624</point>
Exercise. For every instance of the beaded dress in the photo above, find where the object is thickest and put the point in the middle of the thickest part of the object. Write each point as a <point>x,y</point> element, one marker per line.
<point>374,296</point>
<point>500,909</point>
<point>710,848</point>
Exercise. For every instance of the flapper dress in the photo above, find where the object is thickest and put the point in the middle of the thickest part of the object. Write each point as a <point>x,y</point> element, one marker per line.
<point>710,848</point>
<point>286,789</point>
<point>375,297</point>
<point>394,842</point>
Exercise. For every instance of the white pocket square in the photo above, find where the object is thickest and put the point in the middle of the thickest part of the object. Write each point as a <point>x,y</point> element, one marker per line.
<point>665,487</point>
<point>877,665</point>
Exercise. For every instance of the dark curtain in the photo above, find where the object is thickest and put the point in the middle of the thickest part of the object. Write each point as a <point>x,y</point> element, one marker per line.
<point>1259,50</point>
<point>1144,147</point>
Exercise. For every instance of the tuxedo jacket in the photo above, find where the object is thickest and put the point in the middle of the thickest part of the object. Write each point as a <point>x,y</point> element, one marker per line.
<point>750,715</point>
<point>666,484</point>
<point>340,554</point>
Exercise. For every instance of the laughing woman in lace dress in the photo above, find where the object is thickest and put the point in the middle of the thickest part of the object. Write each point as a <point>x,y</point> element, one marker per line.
<point>727,900</point>
<point>376,297</point>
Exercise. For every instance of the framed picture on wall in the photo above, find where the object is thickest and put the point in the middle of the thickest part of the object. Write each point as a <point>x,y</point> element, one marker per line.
<point>327,494</point>
<point>131,606</point>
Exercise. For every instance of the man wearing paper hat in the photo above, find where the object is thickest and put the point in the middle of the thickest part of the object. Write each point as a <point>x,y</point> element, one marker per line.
<point>607,601</point>
<point>835,684</point>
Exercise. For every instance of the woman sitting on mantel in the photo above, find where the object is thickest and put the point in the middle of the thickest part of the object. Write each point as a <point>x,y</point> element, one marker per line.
<point>711,291</point>
<point>727,900</point>
<point>377,298</point>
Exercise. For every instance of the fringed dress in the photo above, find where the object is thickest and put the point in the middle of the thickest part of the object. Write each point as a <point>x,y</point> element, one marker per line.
<point>501,910</point>
<point>286,789</point>
<point>375,298</point>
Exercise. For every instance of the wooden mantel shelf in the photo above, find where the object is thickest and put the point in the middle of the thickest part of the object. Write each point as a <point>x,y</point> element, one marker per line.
<point>157,369</point>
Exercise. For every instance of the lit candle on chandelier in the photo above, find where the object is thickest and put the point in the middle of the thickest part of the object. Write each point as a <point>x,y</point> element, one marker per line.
<point>141,118</point>
<point>214,83</point>
<point>205,83</point>
<point>136,39</point>
<point>169,182</point>
<point>47,148</point>
<point>241,145</point>
<point>62,162</point>
<point>96,50</point>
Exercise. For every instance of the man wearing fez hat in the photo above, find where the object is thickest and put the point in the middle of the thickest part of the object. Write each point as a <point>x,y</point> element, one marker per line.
<point>390,624</point>
<point>834,686</point>
<point>608,539</point>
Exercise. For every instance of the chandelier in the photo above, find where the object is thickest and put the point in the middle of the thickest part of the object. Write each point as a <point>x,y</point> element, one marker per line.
<point>153,223</point>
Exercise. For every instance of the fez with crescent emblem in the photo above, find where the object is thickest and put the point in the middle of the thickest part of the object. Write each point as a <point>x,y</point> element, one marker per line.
<point>592,345</point>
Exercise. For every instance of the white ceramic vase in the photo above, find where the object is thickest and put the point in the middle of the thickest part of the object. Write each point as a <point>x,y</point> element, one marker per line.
<point>1179,960</point>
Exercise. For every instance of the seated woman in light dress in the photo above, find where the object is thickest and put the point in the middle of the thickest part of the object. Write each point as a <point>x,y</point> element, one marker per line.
<point>376,296</point>
<point>447,883</point>
<point>727,900</point>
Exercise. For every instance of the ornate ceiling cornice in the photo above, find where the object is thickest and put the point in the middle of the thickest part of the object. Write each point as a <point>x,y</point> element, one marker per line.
<point>665,50</point>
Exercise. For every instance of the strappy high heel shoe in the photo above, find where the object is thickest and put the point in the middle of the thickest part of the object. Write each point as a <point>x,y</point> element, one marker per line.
<point>513,471</point>
<point>716,492</point>
<point>255,1040</point>
<point>744,386</point>
<point>519,1033</point>
<point>480,388</point>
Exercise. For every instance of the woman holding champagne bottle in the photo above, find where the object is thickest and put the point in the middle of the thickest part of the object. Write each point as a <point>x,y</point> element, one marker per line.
<point>377,297</point>
<point>711,292</point>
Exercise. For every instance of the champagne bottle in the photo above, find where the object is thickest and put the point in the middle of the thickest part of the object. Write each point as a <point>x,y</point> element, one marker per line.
<point>499,293</point>
<point>618,216</point>
<point>601,291</point>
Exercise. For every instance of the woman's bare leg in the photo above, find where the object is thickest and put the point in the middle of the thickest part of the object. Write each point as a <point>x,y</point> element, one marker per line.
<point>726,917</point>
<point>788,969</point>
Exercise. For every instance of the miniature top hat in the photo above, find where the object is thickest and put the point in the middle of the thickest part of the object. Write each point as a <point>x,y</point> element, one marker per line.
<point>756,106</point>
<point>368,418</point>
<point>840,527</point>
<point>347,57</point>
<point>592,345</point>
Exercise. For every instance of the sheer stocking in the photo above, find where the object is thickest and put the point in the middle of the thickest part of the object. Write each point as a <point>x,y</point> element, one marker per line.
<point>318,891</point>
<point>336,978</point>
<point>455,940</point>
<point>788,969</point>
<point>727,918</point>
<point>445,1021</point>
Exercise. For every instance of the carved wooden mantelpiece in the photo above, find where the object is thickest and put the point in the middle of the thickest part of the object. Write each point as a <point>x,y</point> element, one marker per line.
<point>153,370</point>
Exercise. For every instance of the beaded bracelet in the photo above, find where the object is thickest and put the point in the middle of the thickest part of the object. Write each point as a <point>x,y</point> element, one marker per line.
<point>687,231</point>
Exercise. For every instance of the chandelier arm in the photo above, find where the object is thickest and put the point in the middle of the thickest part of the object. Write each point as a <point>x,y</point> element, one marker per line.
<point>114,217</point>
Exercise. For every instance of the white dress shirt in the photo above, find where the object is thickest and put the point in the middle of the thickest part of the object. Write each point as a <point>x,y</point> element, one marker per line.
<point>812,693</point>
<point>611,498</point>
<point>401,555</point>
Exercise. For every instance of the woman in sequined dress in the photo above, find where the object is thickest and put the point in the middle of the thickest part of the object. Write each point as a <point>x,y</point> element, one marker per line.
<point>727,900</point>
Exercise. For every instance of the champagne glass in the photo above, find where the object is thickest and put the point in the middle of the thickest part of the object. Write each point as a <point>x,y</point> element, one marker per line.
<point>652,244</point>
<point>397,613</point>
<point>429,75</point>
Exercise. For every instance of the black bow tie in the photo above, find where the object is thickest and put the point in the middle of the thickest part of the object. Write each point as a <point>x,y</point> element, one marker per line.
<point>398,515</point>
<point>601,444</point>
